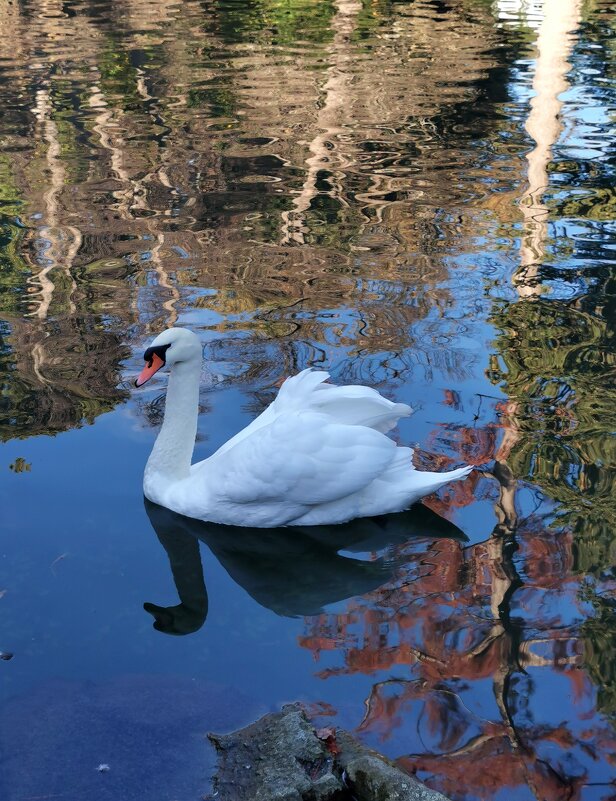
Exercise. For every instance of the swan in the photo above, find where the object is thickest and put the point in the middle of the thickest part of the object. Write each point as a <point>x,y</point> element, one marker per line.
<point>318,455</point>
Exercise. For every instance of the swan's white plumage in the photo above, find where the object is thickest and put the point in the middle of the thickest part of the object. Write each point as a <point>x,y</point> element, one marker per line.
<point>300,457</point>
<point>318,454</point>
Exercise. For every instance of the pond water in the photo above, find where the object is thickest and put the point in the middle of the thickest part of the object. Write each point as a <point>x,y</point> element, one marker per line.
<point>418,196</point>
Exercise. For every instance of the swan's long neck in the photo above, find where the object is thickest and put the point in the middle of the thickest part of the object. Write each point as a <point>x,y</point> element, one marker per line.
<point>172,452</point>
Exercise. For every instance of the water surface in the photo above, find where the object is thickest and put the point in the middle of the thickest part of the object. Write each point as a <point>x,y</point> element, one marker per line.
<point>417,196</point>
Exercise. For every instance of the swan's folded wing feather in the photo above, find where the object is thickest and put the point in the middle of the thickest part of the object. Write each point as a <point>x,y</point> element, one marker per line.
<point>357,405</point>
<point>350,404</point>
<point>308,391</point>
<point>301,458</point>
<point>294,395</point>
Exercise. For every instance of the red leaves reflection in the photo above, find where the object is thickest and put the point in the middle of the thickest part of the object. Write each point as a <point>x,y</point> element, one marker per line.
<point>485,682</point>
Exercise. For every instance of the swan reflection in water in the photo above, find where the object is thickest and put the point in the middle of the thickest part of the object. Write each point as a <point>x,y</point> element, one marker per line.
<point>295,572</point>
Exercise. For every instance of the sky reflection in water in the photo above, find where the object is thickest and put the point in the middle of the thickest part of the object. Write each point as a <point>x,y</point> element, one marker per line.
<point>414,196</point>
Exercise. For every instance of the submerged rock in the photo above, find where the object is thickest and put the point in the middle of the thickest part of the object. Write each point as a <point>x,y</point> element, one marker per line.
<point>372,777</point>
<point>281,758</point>
<point>278,758</point>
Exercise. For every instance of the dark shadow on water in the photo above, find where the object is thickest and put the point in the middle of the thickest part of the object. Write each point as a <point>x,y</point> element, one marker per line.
<point>292,571</point>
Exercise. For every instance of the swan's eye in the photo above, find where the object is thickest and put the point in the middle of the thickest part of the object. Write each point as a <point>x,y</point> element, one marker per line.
<point>159,350</point>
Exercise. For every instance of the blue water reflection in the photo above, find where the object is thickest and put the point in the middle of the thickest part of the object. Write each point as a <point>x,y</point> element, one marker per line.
<point>418,197</point>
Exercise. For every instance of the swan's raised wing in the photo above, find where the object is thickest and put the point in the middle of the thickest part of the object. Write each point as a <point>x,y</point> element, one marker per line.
<point>352,405</point>
<point>301,458</point>
<point>309,391</point>
<point>359,406</point>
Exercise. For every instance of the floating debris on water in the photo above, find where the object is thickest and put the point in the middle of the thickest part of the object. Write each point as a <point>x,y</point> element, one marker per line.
<point>56,560</point>
<point>20,465</point>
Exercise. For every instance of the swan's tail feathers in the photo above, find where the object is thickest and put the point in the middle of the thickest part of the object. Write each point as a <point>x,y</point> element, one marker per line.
<point>440,479</point>
<point>459,474</point>
<point>428,482</point>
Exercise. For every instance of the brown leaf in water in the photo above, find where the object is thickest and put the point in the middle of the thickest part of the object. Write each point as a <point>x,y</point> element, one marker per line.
<point>328,735</point>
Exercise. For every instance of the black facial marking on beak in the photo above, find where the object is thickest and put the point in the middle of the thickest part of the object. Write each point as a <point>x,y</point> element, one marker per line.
<point>159,350</point>
<point>154,359</point>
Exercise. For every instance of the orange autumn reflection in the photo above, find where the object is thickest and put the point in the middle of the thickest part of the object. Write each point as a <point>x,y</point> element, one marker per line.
<point>479,658</point>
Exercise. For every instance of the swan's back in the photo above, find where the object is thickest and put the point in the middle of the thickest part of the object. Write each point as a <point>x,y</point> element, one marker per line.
<point>318,454</point>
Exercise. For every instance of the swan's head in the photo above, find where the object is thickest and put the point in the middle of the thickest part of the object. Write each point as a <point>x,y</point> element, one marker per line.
<point>178,619</point>
<point>173,346</point>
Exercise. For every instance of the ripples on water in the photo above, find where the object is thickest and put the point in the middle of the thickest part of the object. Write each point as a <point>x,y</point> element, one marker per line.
<point>419,196</point>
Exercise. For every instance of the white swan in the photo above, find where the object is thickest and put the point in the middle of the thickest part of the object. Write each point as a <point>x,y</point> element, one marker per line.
<point>317,455</point>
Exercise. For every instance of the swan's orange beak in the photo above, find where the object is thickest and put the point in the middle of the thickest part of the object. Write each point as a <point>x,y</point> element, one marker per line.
<point>148,371</point>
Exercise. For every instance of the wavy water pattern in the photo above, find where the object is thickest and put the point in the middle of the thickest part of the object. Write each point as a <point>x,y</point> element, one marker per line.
<point>417,196</point>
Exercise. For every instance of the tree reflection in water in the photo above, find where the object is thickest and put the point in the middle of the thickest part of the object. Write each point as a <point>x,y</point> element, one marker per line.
<point>425,227</point>
<point>507,611</point>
